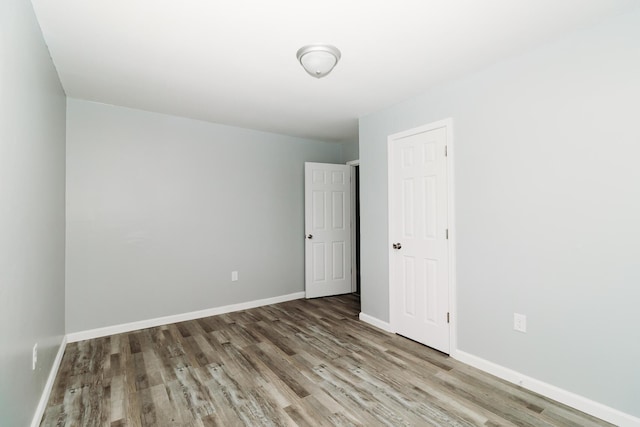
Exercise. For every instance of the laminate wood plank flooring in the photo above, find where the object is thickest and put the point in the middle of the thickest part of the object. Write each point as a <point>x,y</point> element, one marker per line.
<point>298,363</point>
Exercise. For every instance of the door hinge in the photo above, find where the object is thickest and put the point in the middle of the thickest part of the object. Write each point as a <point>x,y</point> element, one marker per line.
<point>446,152</point>
<point>448,317</point>
<point>447,233</point>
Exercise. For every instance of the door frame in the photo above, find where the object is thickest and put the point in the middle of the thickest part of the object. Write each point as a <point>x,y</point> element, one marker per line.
<point>451,253</point>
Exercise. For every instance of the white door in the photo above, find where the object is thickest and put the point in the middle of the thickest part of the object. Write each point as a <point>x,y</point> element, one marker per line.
<point>419,271</point>
<point>327,219</point>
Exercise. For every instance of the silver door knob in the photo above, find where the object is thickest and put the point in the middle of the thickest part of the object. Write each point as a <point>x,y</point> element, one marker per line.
<point>397,246</point>
<point>309,236</point>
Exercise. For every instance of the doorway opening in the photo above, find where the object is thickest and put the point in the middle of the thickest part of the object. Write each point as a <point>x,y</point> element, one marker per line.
<point>355,227</point>
<point>332,232</point>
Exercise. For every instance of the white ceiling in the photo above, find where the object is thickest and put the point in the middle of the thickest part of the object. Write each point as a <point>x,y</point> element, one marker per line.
<point>234,61</point>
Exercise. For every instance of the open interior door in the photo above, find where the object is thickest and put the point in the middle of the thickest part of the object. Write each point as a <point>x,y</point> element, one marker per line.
<point>327,219</point>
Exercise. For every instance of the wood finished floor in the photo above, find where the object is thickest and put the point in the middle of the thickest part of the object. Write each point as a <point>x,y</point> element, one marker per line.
<point>299,363</point>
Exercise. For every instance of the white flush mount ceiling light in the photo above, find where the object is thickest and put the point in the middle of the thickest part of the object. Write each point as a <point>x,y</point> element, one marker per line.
<point>318,59</point>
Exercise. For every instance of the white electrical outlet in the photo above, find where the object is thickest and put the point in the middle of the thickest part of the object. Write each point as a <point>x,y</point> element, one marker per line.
<point>34,357</point>
<point>234,276</point>
<point>519,322</point>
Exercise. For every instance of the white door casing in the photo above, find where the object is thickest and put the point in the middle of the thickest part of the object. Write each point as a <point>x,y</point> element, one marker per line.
<point>419,265</point>
<point>327,229</point>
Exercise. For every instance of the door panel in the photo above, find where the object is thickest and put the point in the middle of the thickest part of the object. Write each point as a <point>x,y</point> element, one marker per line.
<point>327,229</point>
<point>409,285</point>
<point>418,222</point>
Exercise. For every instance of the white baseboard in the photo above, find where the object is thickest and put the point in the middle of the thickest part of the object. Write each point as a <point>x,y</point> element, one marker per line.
<point>44,398</point>
<point>150,323</point>
<point>581,403</point>
<point>385,326</point>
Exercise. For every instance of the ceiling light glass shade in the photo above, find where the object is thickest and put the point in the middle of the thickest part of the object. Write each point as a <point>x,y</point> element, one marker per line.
<point>318,59</point>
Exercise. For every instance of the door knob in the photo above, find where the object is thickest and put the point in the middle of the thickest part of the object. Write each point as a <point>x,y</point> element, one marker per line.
<point>397,246</point>
<point>309,236</point>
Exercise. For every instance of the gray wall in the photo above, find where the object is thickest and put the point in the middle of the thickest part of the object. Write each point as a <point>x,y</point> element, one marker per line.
<point>161,209</point>
<point>32,140</point>
<point>547,207</point>
<point>350,151</point>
